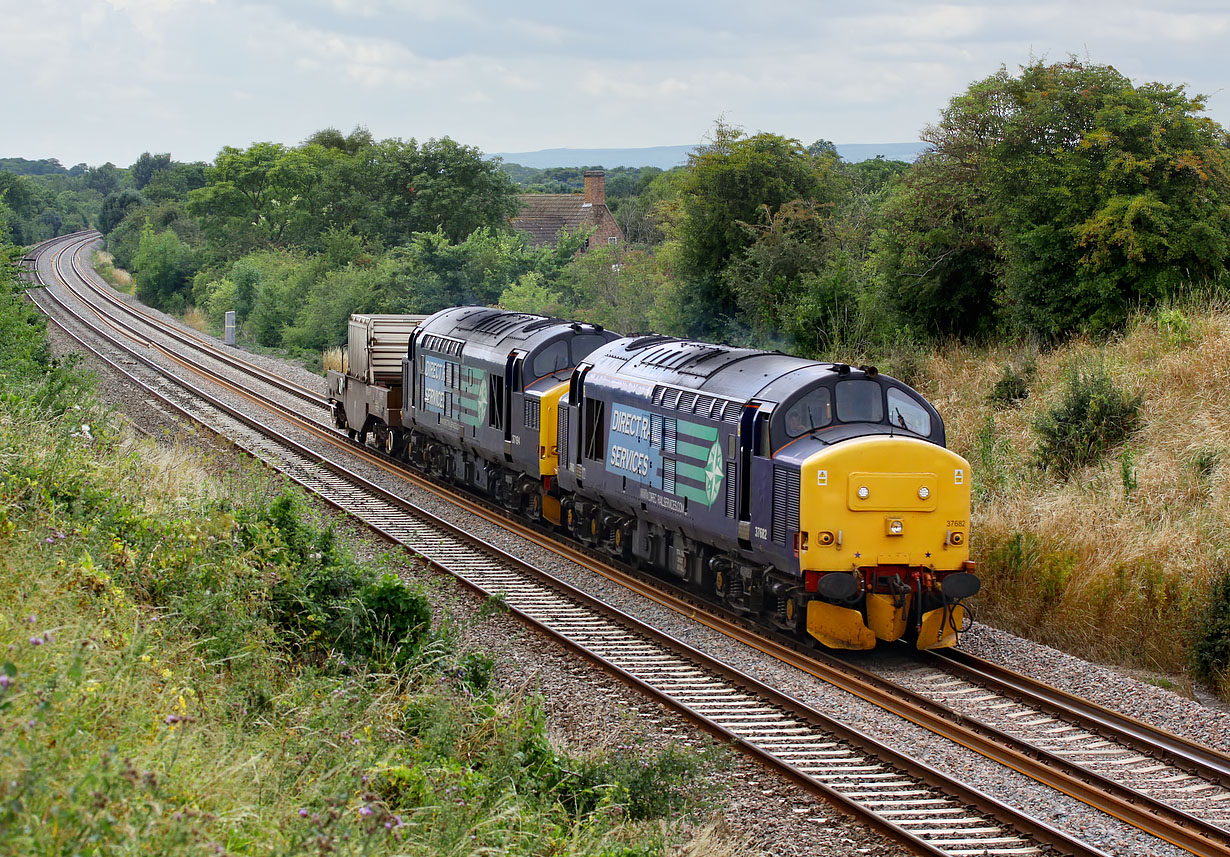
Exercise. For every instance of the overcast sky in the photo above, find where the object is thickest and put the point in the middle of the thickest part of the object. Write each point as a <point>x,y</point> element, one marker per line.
<point>104,80</point>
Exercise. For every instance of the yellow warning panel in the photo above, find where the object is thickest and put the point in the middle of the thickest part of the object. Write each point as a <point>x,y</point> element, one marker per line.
<point>939,627</point>
<point>886,621</point>
<point>838,627</point>
<point>550,509</point>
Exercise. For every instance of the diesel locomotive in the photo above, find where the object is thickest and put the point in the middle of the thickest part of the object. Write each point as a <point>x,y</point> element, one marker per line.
<point>816,498</point>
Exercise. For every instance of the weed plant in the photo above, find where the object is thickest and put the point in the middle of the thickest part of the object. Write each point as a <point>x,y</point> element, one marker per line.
<point>1092,415</point>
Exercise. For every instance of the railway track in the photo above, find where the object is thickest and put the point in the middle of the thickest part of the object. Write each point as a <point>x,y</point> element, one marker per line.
<point>902,797</point>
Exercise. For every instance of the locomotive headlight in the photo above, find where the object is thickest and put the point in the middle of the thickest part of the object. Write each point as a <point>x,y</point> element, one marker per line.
<point>863,493</point>
<point>894,527</point>
<point>924,492</point>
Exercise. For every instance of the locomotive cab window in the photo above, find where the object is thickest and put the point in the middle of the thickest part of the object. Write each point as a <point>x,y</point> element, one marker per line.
<point>813,411</point>
<point>584,344</point>
<point>551,359</point>
<point>904,412</point>
<point>860,401</point>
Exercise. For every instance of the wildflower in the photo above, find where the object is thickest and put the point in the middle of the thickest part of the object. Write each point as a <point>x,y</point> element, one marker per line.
<point>303,813</point>
<point>365,811</point>
<point>36,641</point>
<point>6,681</point>
<point>171,719</point>
<point>31,618</point>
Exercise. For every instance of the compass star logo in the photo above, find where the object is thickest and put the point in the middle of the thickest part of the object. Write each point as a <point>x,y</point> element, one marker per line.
<point>713,472</point>
<point>481,397</point>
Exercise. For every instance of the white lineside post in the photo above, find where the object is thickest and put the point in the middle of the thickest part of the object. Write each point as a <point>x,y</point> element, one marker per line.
<point>230,328</point>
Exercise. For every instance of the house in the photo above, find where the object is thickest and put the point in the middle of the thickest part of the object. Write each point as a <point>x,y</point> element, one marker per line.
<point>544,215</point>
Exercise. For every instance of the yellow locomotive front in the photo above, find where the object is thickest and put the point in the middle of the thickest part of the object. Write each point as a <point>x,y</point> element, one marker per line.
<point>884,542</point>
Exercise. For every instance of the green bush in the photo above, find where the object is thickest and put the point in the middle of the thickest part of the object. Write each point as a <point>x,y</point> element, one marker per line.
<point>1091,416</point>
<point>1210,652</point>
<point>1012,388</point>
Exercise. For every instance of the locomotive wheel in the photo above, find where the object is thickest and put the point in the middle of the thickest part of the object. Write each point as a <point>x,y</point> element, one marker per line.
<point>351,433</point>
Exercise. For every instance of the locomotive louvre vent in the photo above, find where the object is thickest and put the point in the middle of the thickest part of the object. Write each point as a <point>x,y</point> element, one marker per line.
<point>655,430</point>
<point>704,405</point>
<point>668,475</point>
<point>733,410</point>
<point>785,503</point>
<point>561,439</point>
<point>669,430</point>
<point>532,411</point>
<point>730,489</point>
<point>687,401</point>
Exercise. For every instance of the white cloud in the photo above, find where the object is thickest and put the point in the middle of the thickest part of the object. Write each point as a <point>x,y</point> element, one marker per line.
<point>190,76</point>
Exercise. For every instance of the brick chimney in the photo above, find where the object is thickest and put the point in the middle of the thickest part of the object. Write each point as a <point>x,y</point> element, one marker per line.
<point>595,187</point>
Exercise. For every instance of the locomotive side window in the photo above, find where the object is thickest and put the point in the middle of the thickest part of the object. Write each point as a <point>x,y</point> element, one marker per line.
<point>813,411</point>
<point>495,401</point>
<point>904,412</point>
<point>551,359</point>
<point>595,429</point>
<point>859,401</point>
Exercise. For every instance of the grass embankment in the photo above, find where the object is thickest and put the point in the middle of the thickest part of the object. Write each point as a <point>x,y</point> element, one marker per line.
<point>1123,559</point>
<point>190,668</point>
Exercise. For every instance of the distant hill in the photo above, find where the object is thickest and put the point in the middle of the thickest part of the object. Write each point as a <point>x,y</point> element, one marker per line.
<point>665,157</point>
<point>22,167</point>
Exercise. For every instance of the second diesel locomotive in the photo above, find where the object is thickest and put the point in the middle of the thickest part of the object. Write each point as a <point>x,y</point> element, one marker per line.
<point>817,498</point>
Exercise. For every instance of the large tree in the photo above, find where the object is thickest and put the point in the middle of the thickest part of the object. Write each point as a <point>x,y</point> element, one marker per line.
<point>1077,194</point>
<point>733,181</point>
<point>441,186</point>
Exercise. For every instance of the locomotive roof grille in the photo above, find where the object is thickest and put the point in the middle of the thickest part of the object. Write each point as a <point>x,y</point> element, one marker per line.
<point>645,341</point>
<point>443,344</point>
<point>502,322</point>
<point>714,407</point>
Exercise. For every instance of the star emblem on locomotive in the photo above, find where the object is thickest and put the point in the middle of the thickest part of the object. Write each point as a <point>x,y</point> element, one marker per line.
<point>713,472</point>
<point>481,400</point>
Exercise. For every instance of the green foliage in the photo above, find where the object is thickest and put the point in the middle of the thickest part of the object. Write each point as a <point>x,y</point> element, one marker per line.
<point>1174,327</point>
<point>730,182</point>
<point>1012,388</point>
<point>147,166</point>
<point>529,294</point>
<point>1091,416</point>
<point>163,265</point>
<point>115,208</point>
<point>1059,200</point>
<point>1210,652</point>
<point>1127,472</point>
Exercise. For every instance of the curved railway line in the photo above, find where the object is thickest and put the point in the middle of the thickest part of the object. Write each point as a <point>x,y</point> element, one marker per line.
<point>1178,791</point>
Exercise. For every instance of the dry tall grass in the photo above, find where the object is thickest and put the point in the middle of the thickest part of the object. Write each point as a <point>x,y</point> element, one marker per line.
<point>104,264</point>
<point>196,319</point>
<point>1112,562</point>
<point>334,359</point>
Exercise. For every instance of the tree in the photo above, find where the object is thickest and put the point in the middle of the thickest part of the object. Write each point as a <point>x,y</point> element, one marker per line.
<point>147,165</point>
<point>729,183</point>
<point>351,144</point>
<point>105,179</point>
<point>442,186</point>
<point>116,206</point>
<point>256,197</point>
<point>1066,195</point>
<point>163,264</point>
